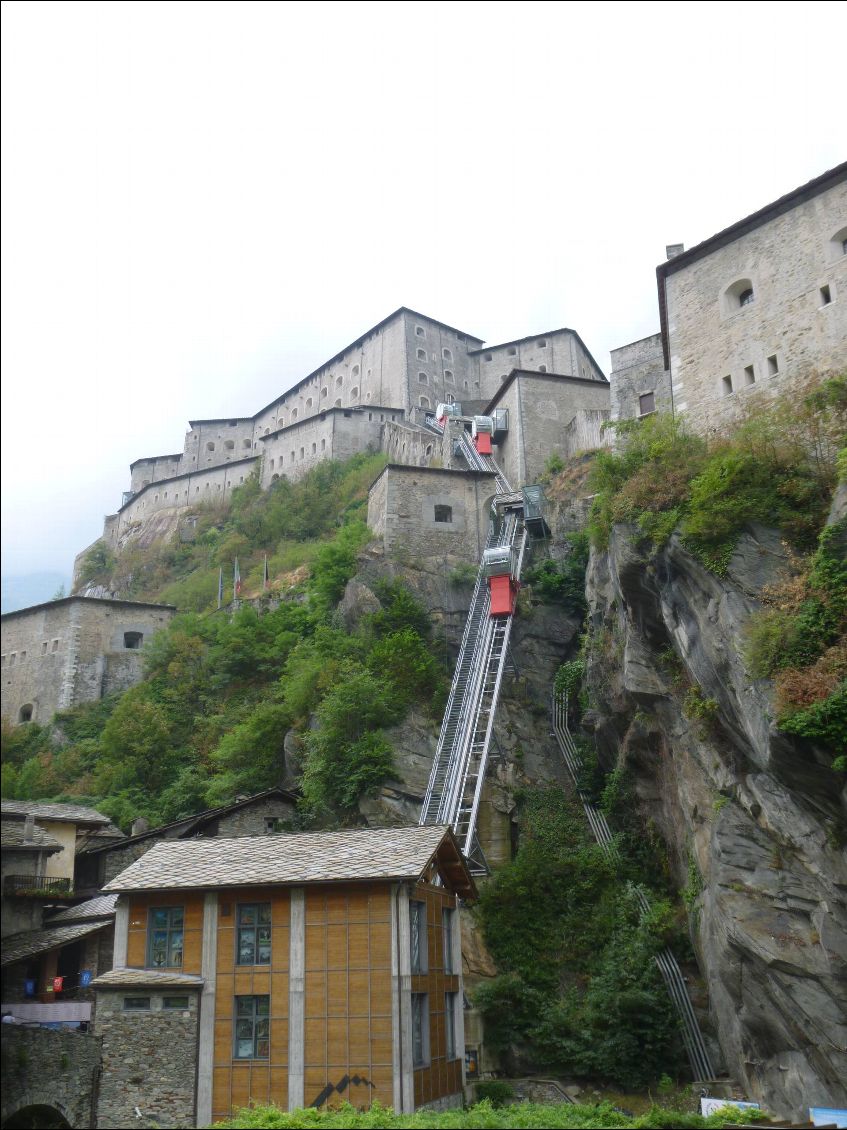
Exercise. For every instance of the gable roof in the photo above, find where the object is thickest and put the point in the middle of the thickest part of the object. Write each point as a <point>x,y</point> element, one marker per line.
<point>19,947</point>
<point>358,855</point>
<point>12,838</point>
<point>536,375</point>
<point>86,600</point>
<point>59,813</point>
<point>101,907</point>
<point>190,824</point>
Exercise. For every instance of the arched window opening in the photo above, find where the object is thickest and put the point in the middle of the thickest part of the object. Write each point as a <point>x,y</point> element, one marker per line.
<point>740,294</point>
<point>422,355</point>
<point>293,414</point>
<point>447,354</point>
<point>425,402</point>
<point>339,381</point>
<point>423,378</point>
<point>354,372</point>
<point>210,446</point>
<point>354,392</point>
<point>309,402</point>
<point>448,375</point>
<point>229,444</point>
<point>26,712</point>
<point>337,403</point>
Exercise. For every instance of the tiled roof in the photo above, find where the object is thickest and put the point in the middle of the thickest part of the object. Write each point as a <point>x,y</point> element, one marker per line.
<point>154,978</point>
<point>19,947</point>
<point>315,857</point>
<point>12,837</point>
<point>63,813</point>
<point>101,907</point>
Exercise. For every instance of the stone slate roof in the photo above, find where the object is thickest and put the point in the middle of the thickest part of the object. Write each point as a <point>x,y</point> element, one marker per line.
<point>188,825</point>
<point>101,907</point>
<point>20,947</point>
<point>12,838</point>
<point>316,857</point>
<point>61,813</point>
<point>152,978</point>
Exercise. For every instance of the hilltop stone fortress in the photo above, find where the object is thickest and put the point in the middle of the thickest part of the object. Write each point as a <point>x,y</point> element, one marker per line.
<point>742,315</point>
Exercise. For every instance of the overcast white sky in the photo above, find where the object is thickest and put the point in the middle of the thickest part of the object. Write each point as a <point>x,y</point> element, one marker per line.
<point>203,201</point>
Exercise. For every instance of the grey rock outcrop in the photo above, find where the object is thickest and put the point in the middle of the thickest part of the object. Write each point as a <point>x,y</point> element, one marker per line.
<point>753,819</point>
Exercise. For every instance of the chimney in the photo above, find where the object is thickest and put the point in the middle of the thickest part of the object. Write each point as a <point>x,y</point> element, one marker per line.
<point>674,249</point>
<point>29,829</point>
<point>139,825</point>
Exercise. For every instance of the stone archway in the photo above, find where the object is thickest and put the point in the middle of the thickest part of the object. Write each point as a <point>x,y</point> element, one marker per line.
<point>37,1117</point>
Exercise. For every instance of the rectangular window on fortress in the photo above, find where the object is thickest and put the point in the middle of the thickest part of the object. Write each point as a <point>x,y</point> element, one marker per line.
<point>773,366</point>
<point>646,404</point>
<point>444,513</point>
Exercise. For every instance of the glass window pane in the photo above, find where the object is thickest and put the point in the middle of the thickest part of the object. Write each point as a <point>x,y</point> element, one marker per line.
<point>265,913</point>
<point>244,1048</point>
<point>244,1006</point>
<point>244,1028</point>
<point>176,916</point>
<point>159,916</point>
<point>263,955</point>
<point>262,1049</point>
<point>246,949</point>
<point>247,915</point>
<point>262,1029</point>
<point>263,1006</point>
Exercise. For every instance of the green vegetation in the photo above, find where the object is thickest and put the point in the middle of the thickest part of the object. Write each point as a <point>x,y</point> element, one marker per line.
<point>778,468</point>
<point>222,691</point>
<point>563,582</point>
<point>531,1116</point>
<point>800,641</point>
<point>578,985</point>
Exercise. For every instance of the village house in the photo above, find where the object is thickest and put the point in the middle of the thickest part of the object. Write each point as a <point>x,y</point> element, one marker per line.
<point>303,970</point>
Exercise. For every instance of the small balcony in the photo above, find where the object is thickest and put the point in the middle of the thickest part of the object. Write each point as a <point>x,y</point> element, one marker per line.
<point>37,887</point>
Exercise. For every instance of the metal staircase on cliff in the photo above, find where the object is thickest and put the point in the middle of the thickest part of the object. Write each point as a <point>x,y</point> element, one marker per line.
<point>668,966</point>
<point>461,757</point>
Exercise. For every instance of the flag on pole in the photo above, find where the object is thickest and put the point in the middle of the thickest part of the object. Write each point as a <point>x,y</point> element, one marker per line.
<point>236,580</point>
<point>265,577</point>
<point>221,586</point>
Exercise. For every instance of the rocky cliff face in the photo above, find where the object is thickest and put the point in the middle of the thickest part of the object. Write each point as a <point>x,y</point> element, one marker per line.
<point>753,819</point>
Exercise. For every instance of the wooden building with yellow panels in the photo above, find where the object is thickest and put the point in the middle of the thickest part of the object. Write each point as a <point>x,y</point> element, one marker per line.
<point>304,970</point>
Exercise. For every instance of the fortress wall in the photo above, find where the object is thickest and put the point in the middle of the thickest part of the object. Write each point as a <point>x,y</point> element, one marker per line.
<point>585,432</point>
<point>371,371</point>
<point>431,512</point>
<point>404,444</point>
<point>787,260</point>
<point>211,486</point>
<point>336,434</point>
<point>146,471</point>
<point>558,352</point>
<point>638,369</point>
<point>439,367</point>
<point>69,651</point>
<point>211,443</point>
<point>541,408</point>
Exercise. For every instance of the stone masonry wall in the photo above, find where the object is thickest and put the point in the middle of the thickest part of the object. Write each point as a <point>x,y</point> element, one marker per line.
<point>71,651</point>
<point>541,407</point>
<point>439,367</point>
<point>57,1069</point>
<point>402,505</point>
<point>149,1059</point>
<point>637,369</point>
<point>721,353</point>
<point>557,352</point>
<point>211,486</point>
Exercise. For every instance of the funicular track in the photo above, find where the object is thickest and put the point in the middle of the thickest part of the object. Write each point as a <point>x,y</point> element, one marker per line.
<point>692,1037</point>
<point>461,757</point>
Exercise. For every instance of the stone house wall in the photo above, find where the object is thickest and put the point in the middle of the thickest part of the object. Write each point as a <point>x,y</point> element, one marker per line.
<point>68,651</point>
<point>149,1059</point>
<point>402,511</point>
<point>722,353</point>
<point>561,351</point>
<point>57,1069</point>
<point>639,369</point>
<point>541,406</point>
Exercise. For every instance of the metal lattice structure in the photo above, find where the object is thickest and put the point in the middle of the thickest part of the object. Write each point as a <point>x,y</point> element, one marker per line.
<point>458,770</point>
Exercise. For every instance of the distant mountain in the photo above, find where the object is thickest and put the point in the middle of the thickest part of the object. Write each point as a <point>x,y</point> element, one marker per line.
<point>31,588</point>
